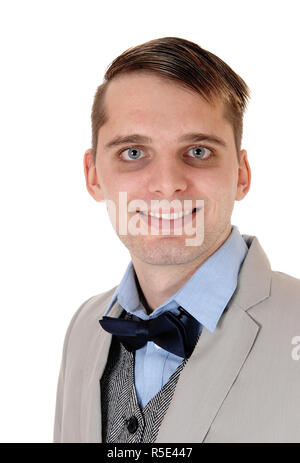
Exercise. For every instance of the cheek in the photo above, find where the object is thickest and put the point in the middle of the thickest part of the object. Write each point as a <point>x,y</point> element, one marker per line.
<point>113,182</point>
<point>133,185</point>
<point>215,185</point>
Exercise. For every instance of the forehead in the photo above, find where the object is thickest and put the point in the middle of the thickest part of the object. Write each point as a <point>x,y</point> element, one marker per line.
<point>149,101</point>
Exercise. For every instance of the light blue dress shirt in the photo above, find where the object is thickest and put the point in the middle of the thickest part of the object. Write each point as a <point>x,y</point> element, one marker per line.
<point>205,296</point>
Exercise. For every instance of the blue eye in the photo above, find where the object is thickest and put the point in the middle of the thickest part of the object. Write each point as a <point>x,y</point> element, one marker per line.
<point>133,153</point>
<point>199,152</point>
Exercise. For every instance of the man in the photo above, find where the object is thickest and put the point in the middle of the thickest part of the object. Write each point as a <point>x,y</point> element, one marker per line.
<point>198,343</point>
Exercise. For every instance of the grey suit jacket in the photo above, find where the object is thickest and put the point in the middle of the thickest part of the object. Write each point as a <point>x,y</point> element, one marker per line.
<point>241,384</point>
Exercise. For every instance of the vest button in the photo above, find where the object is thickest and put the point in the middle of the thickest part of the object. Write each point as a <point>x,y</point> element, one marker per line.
<point>132,424</point>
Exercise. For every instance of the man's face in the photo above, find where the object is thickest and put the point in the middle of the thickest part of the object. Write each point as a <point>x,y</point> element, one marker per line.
<point>166,168</point>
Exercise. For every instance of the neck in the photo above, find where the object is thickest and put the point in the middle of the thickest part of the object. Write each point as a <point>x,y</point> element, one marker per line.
<point>157,283</point>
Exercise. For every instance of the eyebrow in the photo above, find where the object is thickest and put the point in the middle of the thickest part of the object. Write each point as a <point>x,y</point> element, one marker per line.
<point>193,137</point>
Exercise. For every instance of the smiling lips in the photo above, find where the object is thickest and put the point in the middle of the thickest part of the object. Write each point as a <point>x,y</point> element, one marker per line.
<point>167,217</point>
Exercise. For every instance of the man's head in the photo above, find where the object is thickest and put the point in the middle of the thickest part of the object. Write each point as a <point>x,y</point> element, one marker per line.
<point>164,90</point>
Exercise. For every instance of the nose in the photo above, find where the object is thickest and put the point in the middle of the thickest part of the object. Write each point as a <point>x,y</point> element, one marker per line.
<point>166,177</point>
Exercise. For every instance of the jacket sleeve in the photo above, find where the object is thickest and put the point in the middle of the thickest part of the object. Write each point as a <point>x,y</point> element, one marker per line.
<point>59,408</point>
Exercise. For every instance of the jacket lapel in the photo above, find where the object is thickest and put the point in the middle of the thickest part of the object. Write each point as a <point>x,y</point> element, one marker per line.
<point>219,356</point>
<point>99,345</point>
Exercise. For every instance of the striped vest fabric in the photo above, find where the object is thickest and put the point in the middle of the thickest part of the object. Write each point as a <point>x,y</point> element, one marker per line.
<point>123,421</point>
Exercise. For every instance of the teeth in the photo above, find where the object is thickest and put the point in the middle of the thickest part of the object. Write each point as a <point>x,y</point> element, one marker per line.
<point>172,216</point>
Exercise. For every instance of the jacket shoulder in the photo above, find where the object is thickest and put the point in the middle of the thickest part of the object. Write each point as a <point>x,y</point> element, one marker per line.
<point>93,307</point>
<point>86,316</point>
<point>281,309</point>
<point>286,286</point>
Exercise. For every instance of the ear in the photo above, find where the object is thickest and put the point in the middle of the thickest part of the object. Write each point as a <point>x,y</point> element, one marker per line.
<point>244,176</point>
<point>91,177</point>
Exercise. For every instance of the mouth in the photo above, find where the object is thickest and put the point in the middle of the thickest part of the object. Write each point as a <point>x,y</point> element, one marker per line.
<point>169,222</point>
<point>168,216</point>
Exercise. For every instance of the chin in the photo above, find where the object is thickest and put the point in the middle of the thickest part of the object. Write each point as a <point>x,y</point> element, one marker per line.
<point>165,252</point>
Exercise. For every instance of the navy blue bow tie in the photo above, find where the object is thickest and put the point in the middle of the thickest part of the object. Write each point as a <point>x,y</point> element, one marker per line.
<point>175,333</point>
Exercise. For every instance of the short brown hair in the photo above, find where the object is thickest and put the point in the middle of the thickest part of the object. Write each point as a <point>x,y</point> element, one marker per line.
<point>186,63</point>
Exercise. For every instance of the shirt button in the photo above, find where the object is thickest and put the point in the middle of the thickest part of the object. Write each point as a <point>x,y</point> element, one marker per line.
<point>132,424</point>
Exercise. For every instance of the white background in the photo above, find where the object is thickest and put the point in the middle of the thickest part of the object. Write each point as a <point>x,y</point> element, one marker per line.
<point>58,247</point>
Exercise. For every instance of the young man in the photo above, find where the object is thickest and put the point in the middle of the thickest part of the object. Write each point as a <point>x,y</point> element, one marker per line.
<point>198,343</point>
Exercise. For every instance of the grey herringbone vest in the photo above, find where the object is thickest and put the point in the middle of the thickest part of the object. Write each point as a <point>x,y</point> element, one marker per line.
<point>123,421</point>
